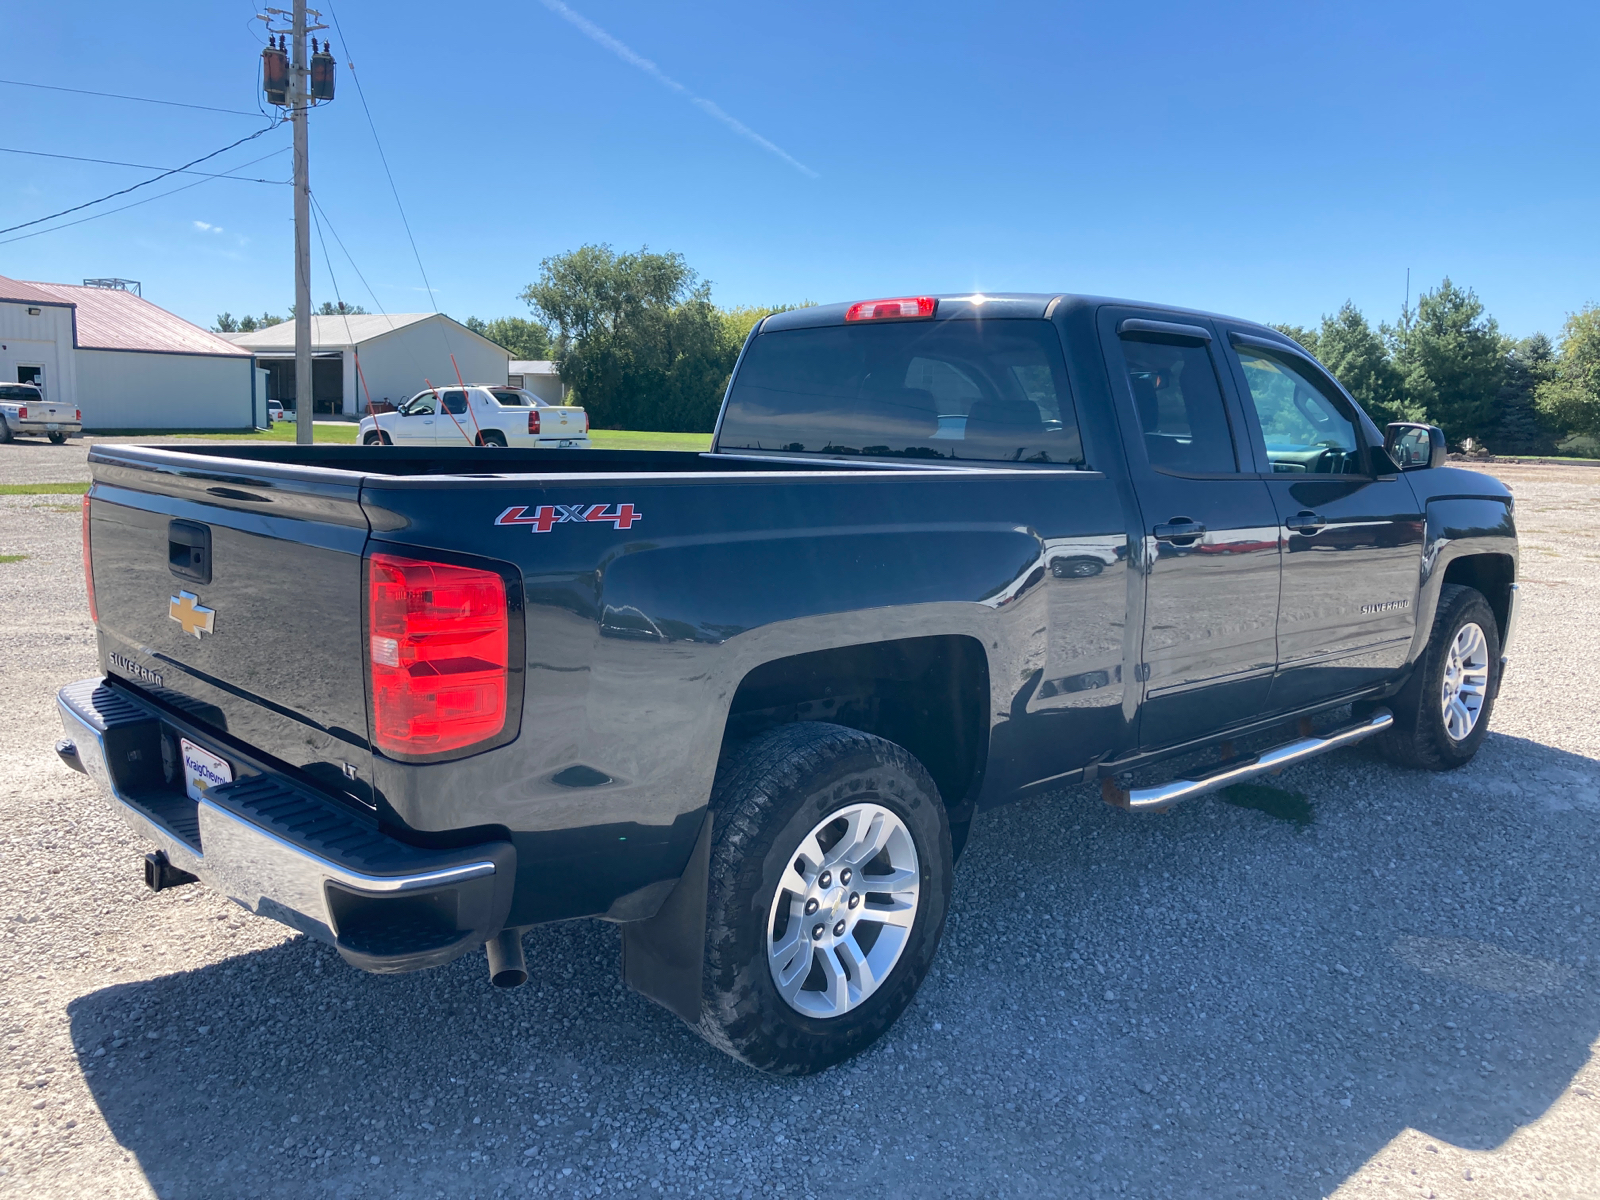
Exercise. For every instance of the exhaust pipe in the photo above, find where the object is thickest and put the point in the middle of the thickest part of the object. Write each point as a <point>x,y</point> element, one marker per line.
<point>508,968</point>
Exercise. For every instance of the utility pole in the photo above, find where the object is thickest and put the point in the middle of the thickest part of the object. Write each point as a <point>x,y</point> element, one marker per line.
<point>302,91</point>
<point>304,403</point>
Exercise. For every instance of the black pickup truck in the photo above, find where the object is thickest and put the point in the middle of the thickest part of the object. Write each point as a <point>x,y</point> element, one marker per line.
<point>945,551</point>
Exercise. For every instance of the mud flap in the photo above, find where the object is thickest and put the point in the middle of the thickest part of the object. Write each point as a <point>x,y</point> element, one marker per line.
<point>663,958</point>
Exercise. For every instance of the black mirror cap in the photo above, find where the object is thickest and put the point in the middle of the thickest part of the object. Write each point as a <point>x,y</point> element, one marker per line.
<point>1438,453</point>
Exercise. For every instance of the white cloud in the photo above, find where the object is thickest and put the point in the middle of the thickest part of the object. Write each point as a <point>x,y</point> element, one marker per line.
<point>634,59</point>
<point>206,227</point>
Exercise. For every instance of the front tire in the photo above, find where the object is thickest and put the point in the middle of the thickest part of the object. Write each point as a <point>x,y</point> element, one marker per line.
<point>807,963</point>
<point>1442,714</point>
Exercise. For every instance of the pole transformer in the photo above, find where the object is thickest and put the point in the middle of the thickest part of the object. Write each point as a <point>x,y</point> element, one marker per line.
<point>299,96</point>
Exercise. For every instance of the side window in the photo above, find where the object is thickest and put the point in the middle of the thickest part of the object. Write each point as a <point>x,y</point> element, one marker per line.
<point>1306,429</point>
<point>420,405</point>
<point>454,402</point>
<point>1179,403</point>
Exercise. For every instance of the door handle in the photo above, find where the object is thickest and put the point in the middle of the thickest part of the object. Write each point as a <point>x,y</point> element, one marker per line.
<point>1305,522</point>
<point>1180,531</point>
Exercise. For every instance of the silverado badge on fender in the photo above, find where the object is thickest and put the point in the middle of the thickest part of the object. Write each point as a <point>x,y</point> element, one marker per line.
<point>195,618</point>
<point>547,515</point>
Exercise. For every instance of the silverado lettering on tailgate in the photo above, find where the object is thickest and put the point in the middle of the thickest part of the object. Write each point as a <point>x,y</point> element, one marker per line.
<point>547,516</point>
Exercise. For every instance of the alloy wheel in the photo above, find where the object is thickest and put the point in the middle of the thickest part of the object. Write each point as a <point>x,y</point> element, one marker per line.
<point>842,912</point>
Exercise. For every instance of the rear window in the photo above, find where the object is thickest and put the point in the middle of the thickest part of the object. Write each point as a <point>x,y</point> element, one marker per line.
<point>12,391</point>
<point>510,399</point>
<point>984,390</point>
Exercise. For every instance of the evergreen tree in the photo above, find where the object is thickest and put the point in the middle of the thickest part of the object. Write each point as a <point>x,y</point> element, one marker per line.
<point>1520,428</point>
<point>1450,358</point>
<point>1355,354</point>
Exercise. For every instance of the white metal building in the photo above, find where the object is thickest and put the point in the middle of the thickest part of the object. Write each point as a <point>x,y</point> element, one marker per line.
<point>540,377</point>
<point>382,357</point>
<point>125,362</point>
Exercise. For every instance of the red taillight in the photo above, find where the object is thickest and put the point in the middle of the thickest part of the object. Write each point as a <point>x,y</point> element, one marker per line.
<point>887,310</point>
<point>77,414</point>
<point>22,413</point>
<point>88,563</point>
<point>533,420</point>
<point>439,646</point>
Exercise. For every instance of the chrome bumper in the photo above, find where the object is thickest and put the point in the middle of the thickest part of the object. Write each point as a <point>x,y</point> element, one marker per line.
<point>272,846</point>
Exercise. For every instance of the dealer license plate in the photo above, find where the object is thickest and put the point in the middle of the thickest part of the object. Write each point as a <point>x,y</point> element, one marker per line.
<point>52,425</point>
<point>202,770</point>
<point>565,444</point>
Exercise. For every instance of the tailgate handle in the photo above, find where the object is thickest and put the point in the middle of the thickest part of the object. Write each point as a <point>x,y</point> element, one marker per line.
<point>189,550</point>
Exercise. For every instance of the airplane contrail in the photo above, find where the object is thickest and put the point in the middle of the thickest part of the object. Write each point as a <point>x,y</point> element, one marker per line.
<point>634,59</point>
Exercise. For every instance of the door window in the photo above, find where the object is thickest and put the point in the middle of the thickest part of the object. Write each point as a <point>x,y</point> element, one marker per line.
<point>455,402</point>
<point>419,406</point>
<point>1179,403</point>
<point>1306,429</point>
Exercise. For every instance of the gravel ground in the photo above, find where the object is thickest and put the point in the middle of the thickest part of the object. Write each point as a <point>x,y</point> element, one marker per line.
<point>1394,995</point>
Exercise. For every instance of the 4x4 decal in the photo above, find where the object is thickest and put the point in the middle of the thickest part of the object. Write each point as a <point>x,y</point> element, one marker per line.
<point>546,516</point>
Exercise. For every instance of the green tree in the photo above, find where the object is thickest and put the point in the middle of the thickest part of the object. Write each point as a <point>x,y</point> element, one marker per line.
<point>329,309</point>
<point>1520,426</point>
<point>527,340</point>
<point>637,337</point>
<point>1570,400</point>
<point>1306,337</point>
<point>1450,357</point>
<point>228,323</point>
<point>1356,355</point>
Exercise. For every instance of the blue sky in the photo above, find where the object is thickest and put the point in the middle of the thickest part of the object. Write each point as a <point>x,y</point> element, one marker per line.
<point>1266,160</point>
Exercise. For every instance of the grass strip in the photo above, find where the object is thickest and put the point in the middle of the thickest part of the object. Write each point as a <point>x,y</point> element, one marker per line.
<point>43,489</point>
<point>638,439</point>
<point>11,558</point>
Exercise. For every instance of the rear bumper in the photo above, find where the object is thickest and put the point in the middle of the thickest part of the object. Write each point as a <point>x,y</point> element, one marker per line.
<point>281,850</point>
<point>41,427</point>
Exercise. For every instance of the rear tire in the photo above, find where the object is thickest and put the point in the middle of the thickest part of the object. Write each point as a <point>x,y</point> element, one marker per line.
<point>493,439</point>
<point>1442,714</point>
<point>837,795</point>
<point>56,439</point>
<point>5,432</point>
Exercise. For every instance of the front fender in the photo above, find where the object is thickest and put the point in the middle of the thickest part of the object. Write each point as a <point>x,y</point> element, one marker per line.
<point>1459,527</point>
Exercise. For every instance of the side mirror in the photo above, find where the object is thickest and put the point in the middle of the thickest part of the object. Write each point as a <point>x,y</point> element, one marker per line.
<point>1414,446</point>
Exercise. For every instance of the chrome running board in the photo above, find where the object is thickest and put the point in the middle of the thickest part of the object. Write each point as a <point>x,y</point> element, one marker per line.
<point>1154,799</point>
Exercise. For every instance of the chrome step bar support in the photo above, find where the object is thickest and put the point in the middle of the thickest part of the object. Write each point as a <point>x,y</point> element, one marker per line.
<point>1154,799</point>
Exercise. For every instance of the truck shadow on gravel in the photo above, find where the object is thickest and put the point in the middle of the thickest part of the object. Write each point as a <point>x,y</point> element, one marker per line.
<point>1213,1002</point>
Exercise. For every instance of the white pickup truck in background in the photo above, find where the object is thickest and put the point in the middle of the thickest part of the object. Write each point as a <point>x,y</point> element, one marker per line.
<point>24,411</point>
<point>479,415</point>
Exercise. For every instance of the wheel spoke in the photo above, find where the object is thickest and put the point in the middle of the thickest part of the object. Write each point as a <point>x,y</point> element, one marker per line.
<point>855,958</point>
<point>836,991</point>
<point>791,962</point>
<point>901,913</point>
<point>894,881</point>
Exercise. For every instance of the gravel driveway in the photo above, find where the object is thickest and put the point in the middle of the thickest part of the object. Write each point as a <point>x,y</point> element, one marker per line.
<point>1389,990</point>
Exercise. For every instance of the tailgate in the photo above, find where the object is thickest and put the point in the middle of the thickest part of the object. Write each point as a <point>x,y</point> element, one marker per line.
<point>561,423</point>
<point>232,591</point>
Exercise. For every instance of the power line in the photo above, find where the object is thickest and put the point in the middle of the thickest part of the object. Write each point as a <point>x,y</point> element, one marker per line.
<point>111,162</point>
<point>124,208</point>
<point>142,183</point>
<point>50,87</point>
<point>382,157</point>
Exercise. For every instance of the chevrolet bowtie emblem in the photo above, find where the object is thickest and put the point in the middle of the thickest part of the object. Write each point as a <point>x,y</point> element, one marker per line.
<point>187,611</point>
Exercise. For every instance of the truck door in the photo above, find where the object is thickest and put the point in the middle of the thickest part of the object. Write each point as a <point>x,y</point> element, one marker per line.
<point>1352,528</point>
<point>414,421</point>
<point>1210,551</point>
<point>455,426</point>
